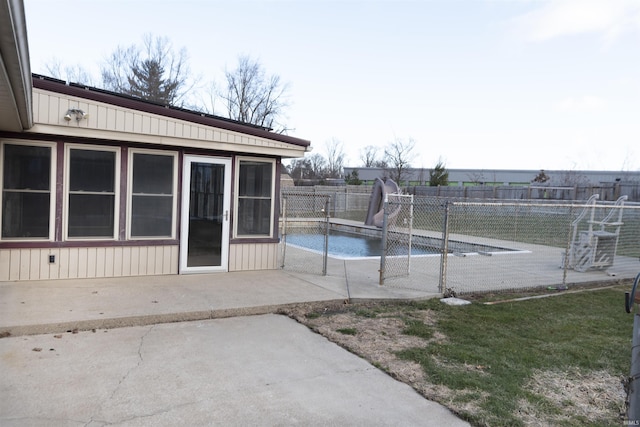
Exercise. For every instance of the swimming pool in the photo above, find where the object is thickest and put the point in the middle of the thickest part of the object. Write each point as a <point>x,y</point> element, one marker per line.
<point>350,245</point>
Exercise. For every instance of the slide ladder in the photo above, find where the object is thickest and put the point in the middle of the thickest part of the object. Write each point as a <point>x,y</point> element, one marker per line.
<point>595,247</point>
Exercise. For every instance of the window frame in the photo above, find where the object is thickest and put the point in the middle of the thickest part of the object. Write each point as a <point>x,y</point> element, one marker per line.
<point>116,191</point>
<point>174,195</point>
<point>237,197</point>
<point>52,188</point>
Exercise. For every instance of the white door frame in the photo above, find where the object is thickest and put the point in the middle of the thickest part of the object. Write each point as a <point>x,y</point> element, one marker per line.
<point>184,217</point>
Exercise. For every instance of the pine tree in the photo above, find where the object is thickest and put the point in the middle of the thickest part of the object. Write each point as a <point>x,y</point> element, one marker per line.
<point>146,82</point>
<point>438,176</point>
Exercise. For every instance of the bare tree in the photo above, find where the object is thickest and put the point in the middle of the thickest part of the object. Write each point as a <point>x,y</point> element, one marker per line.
<point>206,98</point>
<point>310,167</point>
<point>399,155</point>
<point>253,97</point>
<point>572,178</point>
<point>153,71</point>
<point>369,156</point>
<point>75,74</point>
<point>115,69</point>
<point>476,177</point>
<point>335,158</point>
<point>317,165</point>
<point>299,169</point>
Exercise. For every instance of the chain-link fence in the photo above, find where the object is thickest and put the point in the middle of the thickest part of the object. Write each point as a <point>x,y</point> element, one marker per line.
<point>512,246</point>
<point>303,232</point>
<point>439,245</point>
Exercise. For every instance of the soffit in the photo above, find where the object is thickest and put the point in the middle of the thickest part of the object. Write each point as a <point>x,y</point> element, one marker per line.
<point>15,72</point>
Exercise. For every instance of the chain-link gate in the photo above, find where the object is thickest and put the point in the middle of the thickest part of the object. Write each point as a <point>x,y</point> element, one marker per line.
<point>305,224</point>
<point>397,228</point>
<point>414,243</point>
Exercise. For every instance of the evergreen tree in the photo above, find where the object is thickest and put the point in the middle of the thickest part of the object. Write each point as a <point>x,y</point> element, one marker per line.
<point>146,82</point>
<point>438,175</point>
<point>353,178</point>
<point>153,72</point>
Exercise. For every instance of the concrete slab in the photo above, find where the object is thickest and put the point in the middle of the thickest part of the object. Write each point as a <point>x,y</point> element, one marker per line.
<point>59,305</point>
<point>258,370</point>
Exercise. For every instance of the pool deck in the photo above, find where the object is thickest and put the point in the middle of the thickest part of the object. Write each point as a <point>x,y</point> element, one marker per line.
<point>50,306</point>
<point>524,266</point>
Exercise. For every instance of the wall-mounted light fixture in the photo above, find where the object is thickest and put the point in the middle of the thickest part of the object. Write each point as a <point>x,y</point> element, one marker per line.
<point>75,112</point>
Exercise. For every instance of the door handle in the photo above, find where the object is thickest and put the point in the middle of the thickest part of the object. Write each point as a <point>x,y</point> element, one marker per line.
<point>226,215</point>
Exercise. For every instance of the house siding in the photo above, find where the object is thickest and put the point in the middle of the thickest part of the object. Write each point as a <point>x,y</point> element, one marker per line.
<point>87,262</point>
<point>111,122</point>
<point>253,256</point>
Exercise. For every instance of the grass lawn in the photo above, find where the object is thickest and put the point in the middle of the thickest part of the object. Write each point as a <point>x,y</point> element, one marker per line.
<point>507,358</point>
<point>554,361</point>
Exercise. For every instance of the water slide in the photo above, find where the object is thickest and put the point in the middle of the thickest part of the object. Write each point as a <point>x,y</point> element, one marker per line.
<point>375,213</point>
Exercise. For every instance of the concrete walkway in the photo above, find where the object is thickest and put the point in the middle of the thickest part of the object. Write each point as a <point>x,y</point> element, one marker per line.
<point>262,370</point>
<point>64,365</point>
<point>38,307</point>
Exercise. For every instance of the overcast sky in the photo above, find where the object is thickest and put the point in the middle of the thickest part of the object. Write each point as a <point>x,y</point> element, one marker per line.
<point>478,84</point>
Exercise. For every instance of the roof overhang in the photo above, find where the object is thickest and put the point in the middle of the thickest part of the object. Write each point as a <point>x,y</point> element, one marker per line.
<point>116,117</point>
<point>15,70</point>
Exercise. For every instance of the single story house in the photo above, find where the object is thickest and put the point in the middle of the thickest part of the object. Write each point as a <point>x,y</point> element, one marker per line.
<point>96,184</point>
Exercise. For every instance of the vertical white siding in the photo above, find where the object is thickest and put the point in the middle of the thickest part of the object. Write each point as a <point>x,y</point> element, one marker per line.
<point>253,256</point>
<point>72,263</point>
<point>50,108</point>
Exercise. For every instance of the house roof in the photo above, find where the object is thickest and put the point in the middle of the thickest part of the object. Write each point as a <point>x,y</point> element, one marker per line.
<point>17,84</point>
<point>124,101</point>
<point>15,71</point>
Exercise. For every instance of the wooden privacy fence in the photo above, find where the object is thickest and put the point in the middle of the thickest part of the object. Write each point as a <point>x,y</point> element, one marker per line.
<point>608,192</point>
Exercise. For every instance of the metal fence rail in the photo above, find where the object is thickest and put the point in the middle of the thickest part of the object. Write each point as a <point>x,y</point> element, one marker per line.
<point>436,244</point>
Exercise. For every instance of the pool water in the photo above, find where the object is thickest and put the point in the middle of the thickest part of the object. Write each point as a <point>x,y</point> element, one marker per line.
<point>348,245</point>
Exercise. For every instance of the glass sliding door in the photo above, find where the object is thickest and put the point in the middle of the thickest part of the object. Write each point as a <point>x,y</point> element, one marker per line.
<point>206,190</point>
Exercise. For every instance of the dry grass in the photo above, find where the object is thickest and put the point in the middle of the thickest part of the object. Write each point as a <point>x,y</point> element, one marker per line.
<point>379,333</point>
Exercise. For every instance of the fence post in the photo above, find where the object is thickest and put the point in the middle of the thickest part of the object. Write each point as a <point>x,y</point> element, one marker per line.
<point>385,222</point>
<point>445,250</point>
<point>284,229</point>
<point>325,255</point>
<point>634,394</point>
<point>567,249</point>
<point>410,234</point>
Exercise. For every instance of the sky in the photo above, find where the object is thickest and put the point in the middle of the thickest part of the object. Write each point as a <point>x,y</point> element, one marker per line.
<point>478,84</point>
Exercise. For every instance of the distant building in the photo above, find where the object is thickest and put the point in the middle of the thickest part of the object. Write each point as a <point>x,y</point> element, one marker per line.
<point>514,177</point>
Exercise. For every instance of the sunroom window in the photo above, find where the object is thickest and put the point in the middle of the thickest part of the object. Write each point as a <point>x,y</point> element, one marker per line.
<point>26,191</point>
<point>92,203</point>
<point>152,195</point>
<point>254,213</point>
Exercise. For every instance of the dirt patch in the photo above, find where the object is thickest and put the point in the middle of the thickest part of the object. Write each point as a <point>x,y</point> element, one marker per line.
<point>379,335</point>
<point>377,331</point>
